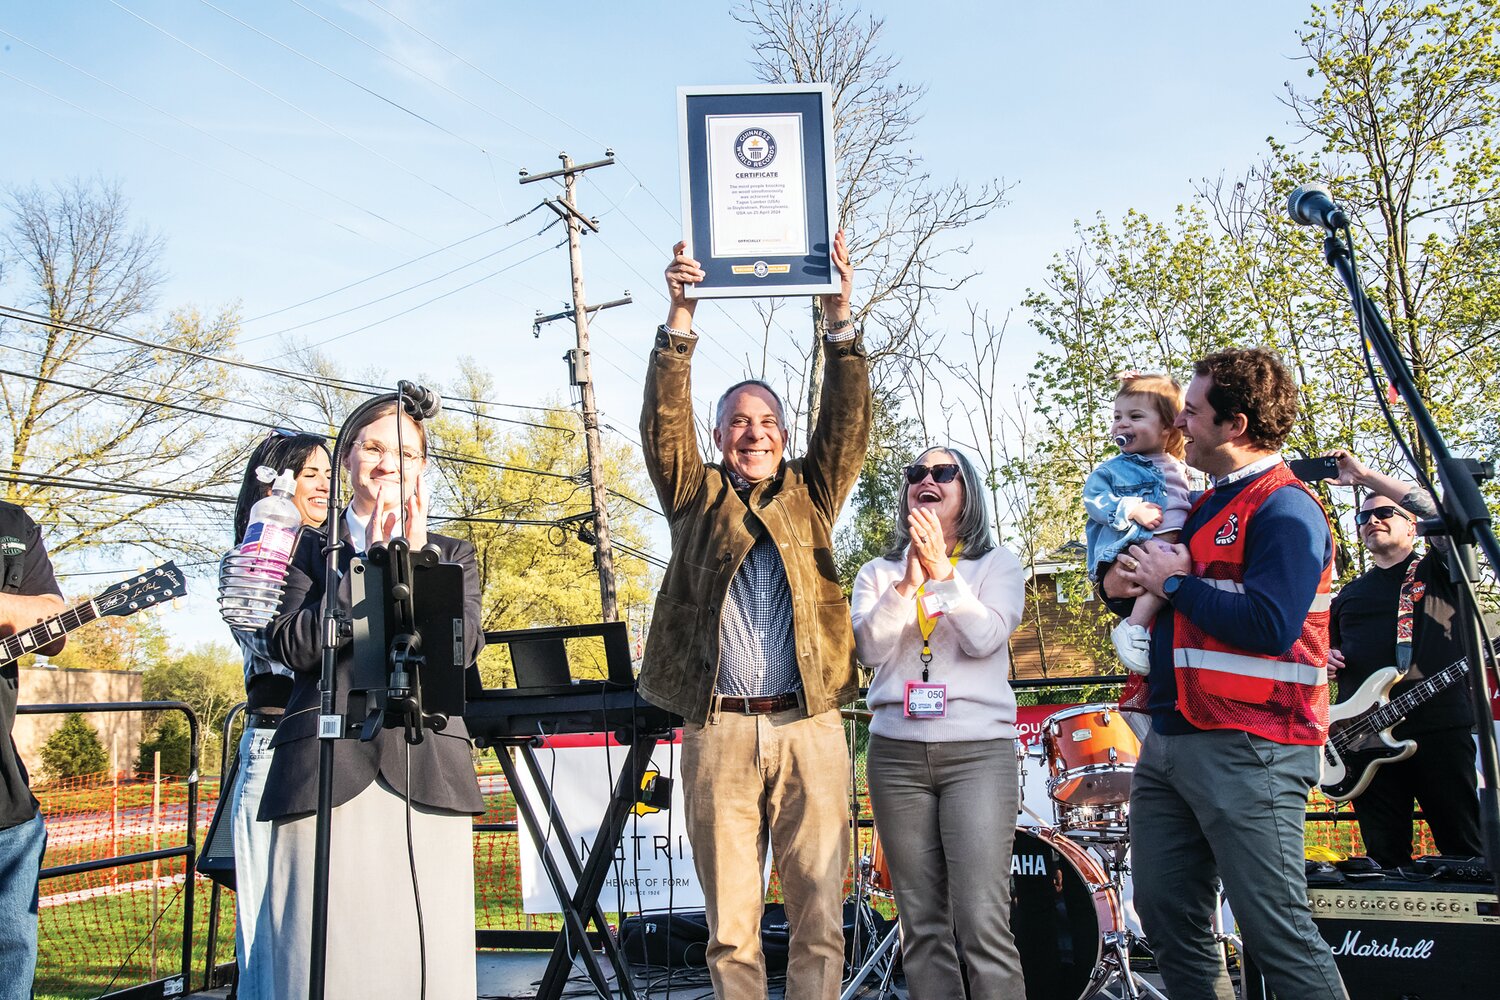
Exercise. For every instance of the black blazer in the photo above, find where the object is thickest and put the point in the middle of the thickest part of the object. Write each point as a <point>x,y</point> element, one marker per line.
<point>442,770</point>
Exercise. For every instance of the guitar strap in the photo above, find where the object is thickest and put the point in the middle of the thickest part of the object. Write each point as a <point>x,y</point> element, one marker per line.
<point>1411,593</point>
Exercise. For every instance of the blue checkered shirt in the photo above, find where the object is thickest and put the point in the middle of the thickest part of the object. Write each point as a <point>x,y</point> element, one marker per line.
<point>757,648</point>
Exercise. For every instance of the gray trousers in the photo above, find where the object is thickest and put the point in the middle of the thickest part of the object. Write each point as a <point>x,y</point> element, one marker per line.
<point>946,816</point>
<point>1230,805</point>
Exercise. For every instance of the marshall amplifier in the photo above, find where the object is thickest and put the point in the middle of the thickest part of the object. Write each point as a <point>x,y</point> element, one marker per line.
<point>1398,940</point>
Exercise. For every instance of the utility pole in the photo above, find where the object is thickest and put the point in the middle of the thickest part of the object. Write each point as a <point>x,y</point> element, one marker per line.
<point>567,210</point>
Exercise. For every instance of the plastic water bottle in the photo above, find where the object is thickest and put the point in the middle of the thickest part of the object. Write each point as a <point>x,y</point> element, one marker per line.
<point>252,577</point>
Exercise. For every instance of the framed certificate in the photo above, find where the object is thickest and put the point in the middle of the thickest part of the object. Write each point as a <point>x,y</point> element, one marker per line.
<point>758,198</point>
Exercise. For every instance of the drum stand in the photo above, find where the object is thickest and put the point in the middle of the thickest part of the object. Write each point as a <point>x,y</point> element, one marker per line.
<point>874,955</point>
<point>882,959</point>
<point>1117,944</point>
<point>878,956</point>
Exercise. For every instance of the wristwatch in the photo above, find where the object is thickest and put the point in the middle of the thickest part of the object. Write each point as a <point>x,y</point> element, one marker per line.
<point>1170,584</point>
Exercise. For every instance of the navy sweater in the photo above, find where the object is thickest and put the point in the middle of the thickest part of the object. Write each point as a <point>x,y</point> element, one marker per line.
<point>1287,545</point>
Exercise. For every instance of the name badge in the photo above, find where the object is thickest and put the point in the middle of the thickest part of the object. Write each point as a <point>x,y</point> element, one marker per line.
<point>926,701</point>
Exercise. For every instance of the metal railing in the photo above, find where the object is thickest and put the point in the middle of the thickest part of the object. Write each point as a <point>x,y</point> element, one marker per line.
<point>188,851</point>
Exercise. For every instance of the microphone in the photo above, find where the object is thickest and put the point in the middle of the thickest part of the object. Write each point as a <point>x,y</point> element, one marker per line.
<point>1311,205</point>
<point>419,402</point>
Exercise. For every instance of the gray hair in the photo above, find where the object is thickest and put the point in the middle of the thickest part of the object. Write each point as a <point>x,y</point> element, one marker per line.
<point>973,517</point>
<point>724,400</point>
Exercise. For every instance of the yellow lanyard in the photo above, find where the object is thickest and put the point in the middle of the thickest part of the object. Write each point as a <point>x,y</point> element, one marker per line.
<point>926,624</point>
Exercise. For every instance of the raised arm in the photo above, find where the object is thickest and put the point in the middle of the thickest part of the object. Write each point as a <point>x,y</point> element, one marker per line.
<point>836,449</point>
<point>667,434</point>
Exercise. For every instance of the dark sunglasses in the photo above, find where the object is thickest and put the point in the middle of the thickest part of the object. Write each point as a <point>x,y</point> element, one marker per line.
<point>940,473</point>
<point>1384,513</point>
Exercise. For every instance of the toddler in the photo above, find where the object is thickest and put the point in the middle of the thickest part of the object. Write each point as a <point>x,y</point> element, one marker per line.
<point>1139,494</point>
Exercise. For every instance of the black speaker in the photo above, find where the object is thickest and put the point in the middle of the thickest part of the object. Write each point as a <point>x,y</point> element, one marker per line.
<point>216,860</point>
<point>1396,940</point>
<point>680,940</point>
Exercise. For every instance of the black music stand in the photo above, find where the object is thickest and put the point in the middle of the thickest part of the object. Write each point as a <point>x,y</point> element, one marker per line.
<point>539,656</point>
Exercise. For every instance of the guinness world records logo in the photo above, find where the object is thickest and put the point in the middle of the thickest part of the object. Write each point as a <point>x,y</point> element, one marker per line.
<point>755,148</point>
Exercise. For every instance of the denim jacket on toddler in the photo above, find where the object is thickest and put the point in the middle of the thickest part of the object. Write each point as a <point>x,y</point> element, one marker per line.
<point>1117,487</point>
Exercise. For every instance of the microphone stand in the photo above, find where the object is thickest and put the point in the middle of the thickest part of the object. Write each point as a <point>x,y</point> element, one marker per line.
<point>337,625</point>
<point>1462,516</point>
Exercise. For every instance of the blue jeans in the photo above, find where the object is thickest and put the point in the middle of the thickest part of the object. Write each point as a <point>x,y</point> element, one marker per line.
<point>21,850</point>
<point>252,855</point>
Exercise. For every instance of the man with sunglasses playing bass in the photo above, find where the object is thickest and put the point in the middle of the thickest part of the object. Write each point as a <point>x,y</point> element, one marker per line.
<point>1399,613</point>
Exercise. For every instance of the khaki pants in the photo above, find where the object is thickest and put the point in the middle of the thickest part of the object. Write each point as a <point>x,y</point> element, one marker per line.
<point>781,779</point>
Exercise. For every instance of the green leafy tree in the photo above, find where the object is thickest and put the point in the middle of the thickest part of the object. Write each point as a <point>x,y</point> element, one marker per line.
<point>209,679</point>
<point>521,496</point>
<point>1401,118</point>
<point>173,740</point>
<point>1403,101</point>
<point>112,643</point>
<point>869,530</point>
<point>73,750</point>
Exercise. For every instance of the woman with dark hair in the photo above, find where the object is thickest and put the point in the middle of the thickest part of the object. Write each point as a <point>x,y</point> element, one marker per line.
<point>402,850</point>
<point>268,685</point>
<point>932,618</point>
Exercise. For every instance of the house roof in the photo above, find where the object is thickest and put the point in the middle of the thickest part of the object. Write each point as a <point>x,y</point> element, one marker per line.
<point>1068,556</point>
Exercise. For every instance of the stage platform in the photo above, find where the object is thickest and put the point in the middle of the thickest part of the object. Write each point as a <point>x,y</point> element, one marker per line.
<point>513,975</point>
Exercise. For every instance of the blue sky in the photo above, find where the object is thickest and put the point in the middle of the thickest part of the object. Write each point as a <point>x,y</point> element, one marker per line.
<point>277,177</point>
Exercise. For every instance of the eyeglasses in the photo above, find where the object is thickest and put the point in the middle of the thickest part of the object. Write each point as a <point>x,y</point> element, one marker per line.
<point>375,452</point>
<point>940,473</point>
<point>1383,513</point>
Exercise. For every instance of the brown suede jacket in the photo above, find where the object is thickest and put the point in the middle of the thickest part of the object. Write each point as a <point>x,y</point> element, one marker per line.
<point>713,529</point>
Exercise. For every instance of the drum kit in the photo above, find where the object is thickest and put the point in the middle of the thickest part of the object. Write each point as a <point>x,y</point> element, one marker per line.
<point>1068,878</point>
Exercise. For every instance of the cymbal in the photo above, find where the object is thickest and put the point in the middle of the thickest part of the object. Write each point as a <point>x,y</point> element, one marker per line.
<point>857,714</point>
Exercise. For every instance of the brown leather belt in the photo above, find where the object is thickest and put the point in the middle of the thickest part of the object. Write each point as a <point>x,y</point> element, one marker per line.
<point>760,706</point>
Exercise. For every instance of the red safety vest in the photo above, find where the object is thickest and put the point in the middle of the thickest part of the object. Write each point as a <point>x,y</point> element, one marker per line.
<point>1283,698</point>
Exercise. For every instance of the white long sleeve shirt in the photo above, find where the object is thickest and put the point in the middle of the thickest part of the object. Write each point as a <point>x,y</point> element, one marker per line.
<point>969,648</point>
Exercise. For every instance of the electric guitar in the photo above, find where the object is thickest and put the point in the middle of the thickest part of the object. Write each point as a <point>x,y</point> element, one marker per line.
<point>1359,729</point>
<point>156,586</point>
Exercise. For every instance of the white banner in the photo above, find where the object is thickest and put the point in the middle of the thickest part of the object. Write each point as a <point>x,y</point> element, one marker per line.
<point>653,864</point>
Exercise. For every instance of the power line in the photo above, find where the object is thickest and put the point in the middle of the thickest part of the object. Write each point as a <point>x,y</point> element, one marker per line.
<point>403,291</point>
<point>136,399</point>
<point>444,455</point>
<point>389,270</point>
<point>122,489</point>
<point>644,506</point>
<point>454,291</point>
<point>353,83</point>
<point>202,131</point>
<point>418,73</point>
<point>302,111</point>
<point>176,152</point>
<point>321,381</point>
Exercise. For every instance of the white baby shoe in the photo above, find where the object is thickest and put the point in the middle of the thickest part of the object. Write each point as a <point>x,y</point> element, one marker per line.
<point>1133,644</point>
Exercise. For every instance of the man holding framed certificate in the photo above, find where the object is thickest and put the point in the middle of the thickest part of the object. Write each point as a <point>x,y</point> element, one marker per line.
<point>751,640</point>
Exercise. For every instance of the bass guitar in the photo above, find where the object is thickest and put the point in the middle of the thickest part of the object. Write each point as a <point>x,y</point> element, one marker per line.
<point>148,589</point>
<point>1359,728</point>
